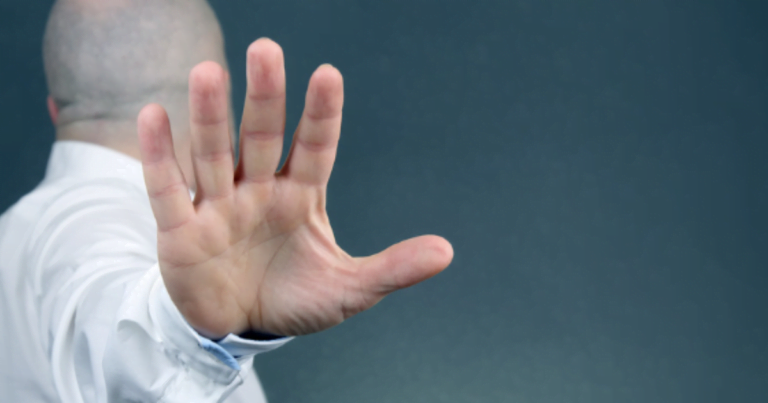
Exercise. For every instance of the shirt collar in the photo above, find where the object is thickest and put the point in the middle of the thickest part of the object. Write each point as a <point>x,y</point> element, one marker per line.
<point>79,159</point>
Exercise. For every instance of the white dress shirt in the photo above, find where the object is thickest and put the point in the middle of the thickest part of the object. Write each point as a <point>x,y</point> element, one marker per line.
<point>84,313</point>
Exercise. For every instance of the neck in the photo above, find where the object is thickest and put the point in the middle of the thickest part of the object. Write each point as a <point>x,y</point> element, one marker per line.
<point>122,136</point>
<point>117,135</point>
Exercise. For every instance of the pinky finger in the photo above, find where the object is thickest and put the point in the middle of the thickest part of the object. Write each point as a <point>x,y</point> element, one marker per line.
<point>166,186</point>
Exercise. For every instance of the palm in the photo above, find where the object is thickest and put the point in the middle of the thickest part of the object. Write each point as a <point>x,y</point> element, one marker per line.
<point>255,250</point>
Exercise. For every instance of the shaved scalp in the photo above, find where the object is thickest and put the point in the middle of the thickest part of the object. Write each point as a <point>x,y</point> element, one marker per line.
<point>105,59</point>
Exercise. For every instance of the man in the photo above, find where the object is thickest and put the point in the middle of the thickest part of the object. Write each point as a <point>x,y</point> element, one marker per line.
<point>101,301</point>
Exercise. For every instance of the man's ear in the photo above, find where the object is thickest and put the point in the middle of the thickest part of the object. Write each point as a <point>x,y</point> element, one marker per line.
<point>53,110</point>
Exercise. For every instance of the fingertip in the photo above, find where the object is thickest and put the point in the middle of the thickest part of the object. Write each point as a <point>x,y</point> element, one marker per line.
<point>264,46</point>
<point>325,96</point>
<point>208,94</point>
<point>207,77</point>
<point>154,133</point>
<point>265,69</point>
<point>151,113</point>
<point>207,67</point>
<point>328,75</point>
<point>265,39</point>
<point>434,254</point>
<point>443,251</point>
<point>152,122</point>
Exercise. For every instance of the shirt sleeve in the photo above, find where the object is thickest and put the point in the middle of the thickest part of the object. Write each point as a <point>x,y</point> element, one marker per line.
<point>113,333</point>
<point>191,367</point>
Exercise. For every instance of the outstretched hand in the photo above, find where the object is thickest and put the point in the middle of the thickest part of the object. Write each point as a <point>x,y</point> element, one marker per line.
<point>254,250</point>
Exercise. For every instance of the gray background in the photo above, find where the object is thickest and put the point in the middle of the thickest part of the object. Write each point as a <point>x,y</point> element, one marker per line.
<point>598,166</point>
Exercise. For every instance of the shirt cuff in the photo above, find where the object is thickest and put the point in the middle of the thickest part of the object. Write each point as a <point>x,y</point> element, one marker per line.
<point>232,350</point>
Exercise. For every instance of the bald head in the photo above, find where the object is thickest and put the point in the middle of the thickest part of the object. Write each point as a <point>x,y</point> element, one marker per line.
<point>106,59</point>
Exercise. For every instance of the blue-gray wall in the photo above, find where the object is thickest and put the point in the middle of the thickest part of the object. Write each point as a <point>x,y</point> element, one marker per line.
<point>599,167</point>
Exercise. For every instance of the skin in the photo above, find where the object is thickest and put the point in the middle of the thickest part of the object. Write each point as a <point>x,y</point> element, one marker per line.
<point>106,59</point>
<point>254,250</point>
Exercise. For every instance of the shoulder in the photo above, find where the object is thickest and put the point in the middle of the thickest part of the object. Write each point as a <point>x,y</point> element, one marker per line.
<point>53,203</point>
<point>79,215</point>
<point>64,224</point>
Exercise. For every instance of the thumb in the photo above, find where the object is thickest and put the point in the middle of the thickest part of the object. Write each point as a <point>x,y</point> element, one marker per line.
<point>405,264</point>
